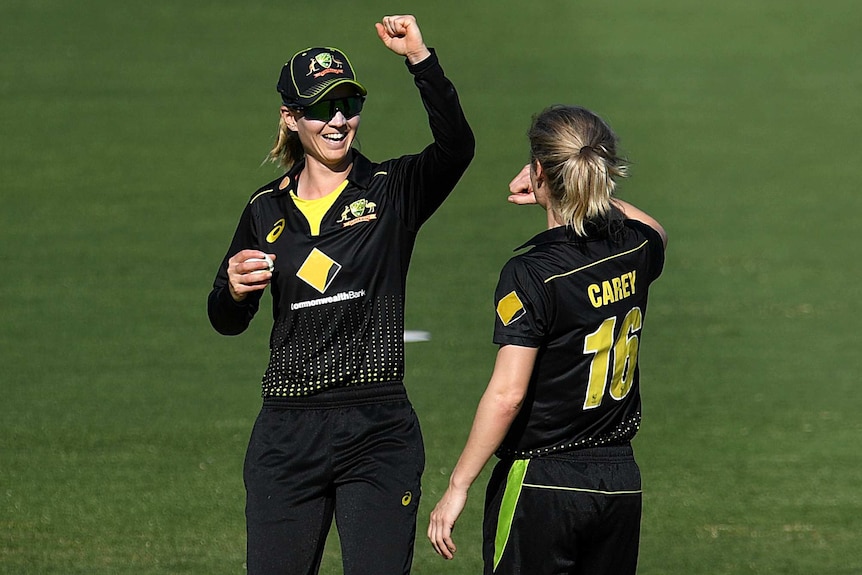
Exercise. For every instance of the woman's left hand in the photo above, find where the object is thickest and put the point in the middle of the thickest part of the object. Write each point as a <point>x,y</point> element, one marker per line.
<point>521,188</point>
<point>443,520</point>
<point>401,35</point>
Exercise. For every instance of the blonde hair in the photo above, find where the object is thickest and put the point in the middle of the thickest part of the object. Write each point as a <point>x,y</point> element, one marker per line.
<point>577,150</point>
<point>287,149</point>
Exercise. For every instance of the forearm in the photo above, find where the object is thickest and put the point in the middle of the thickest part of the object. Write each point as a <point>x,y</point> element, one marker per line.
<point>493,418</point>
<point>227,316</point>
<point>497,409</point>
<point>454,141</point>
<point>425,180</point>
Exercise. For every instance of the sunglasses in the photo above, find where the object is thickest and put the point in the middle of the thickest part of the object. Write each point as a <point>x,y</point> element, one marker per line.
<point>324,110</point>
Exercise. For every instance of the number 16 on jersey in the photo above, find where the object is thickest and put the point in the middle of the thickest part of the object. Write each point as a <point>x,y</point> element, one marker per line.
<point>620,357</point>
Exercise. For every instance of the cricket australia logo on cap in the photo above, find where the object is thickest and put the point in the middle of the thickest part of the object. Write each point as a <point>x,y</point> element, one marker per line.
<point>324,63</point>
<point>357,212</point>
<point>318,270</point>
<point>510,309</point>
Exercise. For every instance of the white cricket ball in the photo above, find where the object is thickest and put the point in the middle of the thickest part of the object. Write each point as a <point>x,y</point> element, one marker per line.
<point>265,258</point>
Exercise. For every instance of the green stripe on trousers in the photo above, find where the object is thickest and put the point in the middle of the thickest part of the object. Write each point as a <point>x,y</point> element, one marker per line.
<point>514,482</point>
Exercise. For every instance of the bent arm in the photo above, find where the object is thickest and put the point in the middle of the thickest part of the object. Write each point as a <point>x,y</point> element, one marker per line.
<point>230,313</point>
<point>423,181</point>
<point>452,134</point>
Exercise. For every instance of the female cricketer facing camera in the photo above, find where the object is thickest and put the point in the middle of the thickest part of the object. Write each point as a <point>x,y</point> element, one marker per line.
<point>563,402</point>
<point>336,433</point>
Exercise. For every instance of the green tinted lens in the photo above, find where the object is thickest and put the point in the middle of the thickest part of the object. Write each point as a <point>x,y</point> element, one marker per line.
<point>318,111</point>
<point>324,110</point>
<point>352,106</point>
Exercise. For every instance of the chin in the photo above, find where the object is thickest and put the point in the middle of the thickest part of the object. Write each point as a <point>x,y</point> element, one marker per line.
<point>334,160</point>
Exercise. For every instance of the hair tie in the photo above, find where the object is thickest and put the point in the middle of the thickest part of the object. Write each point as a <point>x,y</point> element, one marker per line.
<point>586,150</point>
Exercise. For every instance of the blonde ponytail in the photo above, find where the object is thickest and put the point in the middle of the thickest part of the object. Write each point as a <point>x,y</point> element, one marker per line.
<point>287,149</point>
<point>577,150</point>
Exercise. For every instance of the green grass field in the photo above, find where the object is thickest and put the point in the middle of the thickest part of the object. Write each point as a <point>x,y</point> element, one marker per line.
<point>131,134</point>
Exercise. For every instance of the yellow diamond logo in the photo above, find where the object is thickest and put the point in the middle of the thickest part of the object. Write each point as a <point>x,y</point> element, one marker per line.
<point>318,270</point>
<point>510,308</point>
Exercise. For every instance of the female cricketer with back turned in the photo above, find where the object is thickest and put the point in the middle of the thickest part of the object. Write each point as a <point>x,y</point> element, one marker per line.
<point>336,434</point>
<point>563,401</point>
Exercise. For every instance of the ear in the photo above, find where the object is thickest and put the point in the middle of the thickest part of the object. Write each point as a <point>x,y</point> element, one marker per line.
<point>289,117</point>
<point>538,173</point>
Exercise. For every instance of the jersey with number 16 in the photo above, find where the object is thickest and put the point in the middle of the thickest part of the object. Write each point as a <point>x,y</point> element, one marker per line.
<point>583,302</point>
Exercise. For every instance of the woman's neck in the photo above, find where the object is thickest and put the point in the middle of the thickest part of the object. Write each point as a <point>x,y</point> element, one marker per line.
<point>554,219</point>
<point>317,180</point>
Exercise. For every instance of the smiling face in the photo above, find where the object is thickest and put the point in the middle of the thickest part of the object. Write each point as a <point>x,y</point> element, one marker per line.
<point>326,142</point>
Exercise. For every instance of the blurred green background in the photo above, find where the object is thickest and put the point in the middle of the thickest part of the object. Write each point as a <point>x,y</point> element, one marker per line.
<point>132,134</point>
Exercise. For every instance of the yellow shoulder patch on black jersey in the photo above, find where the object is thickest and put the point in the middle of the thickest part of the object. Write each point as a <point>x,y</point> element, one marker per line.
<point>510,309</point>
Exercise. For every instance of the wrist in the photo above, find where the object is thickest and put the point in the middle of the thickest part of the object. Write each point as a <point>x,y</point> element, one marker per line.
<point>236,297</point>
<point>458,483</point>
<point>418,55</point>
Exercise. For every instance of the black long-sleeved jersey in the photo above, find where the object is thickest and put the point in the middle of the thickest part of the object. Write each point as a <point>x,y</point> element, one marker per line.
<point>338,296</point>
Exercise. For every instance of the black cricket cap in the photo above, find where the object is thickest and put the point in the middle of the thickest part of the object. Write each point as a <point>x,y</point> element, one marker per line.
<point>312,73</point>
